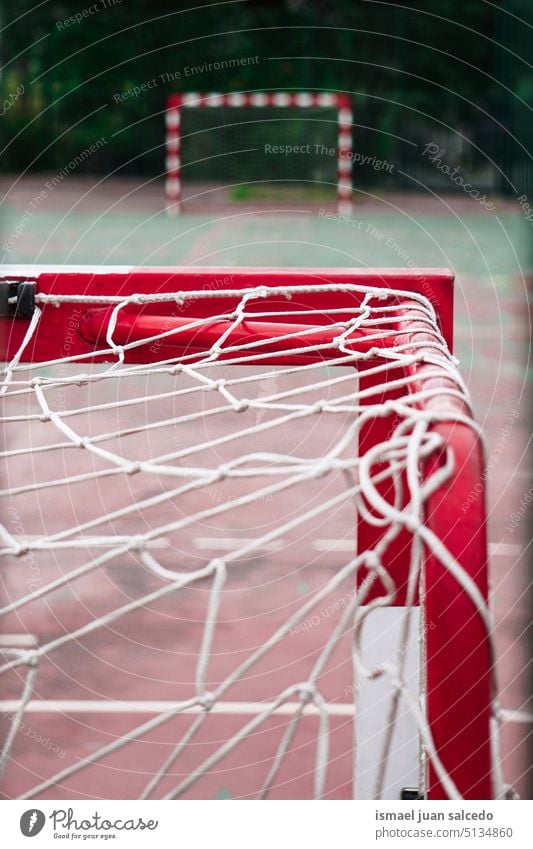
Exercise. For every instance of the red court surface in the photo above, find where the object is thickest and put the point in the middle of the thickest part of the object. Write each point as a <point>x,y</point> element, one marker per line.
<point>149,655</point>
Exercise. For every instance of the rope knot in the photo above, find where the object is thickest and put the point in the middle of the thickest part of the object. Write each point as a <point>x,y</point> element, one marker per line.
<point>208,700</point>
<point>412,523</point>
<point>306,692</point>
<point>372,561</point>
<point>322,468</point>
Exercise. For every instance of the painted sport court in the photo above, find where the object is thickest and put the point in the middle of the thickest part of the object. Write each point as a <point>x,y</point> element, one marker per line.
<point>121,223</point>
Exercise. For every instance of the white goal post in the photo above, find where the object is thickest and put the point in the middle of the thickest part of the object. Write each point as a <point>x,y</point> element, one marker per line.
<point>263,100</point>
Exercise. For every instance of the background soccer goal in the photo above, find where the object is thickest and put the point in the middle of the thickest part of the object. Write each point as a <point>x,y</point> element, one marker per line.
<point>268,149</point>
<point>177,453</point>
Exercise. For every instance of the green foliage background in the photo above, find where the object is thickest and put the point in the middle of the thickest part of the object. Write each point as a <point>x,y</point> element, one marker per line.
<point>413,71</point>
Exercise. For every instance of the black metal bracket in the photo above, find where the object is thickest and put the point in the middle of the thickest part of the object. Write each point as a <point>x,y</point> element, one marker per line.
<point>17,298</point>
<point>411,793</point>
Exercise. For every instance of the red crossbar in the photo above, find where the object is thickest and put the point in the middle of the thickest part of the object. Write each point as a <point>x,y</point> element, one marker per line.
<point>458,664</point>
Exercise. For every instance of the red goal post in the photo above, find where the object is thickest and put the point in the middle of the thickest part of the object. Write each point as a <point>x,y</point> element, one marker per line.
<point>176,103</point>
<point>122,310</point>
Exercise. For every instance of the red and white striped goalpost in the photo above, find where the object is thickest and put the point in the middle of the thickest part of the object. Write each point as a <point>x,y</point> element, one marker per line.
<point>290,100</point>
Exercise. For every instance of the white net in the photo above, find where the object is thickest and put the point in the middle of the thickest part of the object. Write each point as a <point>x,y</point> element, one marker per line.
<point>262,154</point>
<point>179,540</point>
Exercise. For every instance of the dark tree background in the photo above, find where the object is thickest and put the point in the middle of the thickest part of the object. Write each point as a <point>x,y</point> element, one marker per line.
<point>444,70</point>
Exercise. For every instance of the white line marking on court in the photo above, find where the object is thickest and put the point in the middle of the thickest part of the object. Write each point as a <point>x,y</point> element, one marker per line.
<point>516,716</point>
<point>230,543</point>
<point>17,641</point>
<point>496,549</point>
<point>98,542</point>
<point>505,549</point>
<point>67,706</point>
<point>348,545</point>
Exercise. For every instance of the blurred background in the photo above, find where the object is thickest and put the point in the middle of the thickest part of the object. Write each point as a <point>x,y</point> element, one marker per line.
<point>455,74</point>
<point>441,135</point>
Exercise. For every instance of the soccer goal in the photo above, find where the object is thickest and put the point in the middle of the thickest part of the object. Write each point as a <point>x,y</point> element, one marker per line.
<point>234,561</point>
<point>270,150</point>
